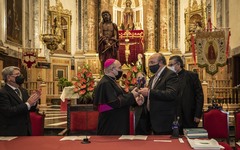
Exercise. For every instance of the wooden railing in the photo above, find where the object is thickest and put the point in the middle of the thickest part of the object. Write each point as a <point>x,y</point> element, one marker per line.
<point>52,87</point>
<point>219,83</point>
<point>222,93</point>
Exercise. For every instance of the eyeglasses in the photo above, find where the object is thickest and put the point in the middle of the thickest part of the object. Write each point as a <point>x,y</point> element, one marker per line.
<point>152,63</point>
<point>170,65</point>
<point>17,74</point>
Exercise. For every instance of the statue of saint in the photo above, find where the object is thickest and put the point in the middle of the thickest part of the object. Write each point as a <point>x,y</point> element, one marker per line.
<point>108,42</point>
<point>128,17</point>
<point>211,56</point>
<point>139,62</point>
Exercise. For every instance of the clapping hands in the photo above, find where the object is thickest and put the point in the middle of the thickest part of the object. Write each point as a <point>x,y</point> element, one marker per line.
<point>35,96</point>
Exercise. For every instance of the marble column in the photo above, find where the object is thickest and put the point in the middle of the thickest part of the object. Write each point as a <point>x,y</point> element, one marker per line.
<point>92,26</point>
<point>163,26</point>
<point>150,27</point>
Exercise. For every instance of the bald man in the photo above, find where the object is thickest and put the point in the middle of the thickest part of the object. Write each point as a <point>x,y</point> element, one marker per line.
<point>161,95</point>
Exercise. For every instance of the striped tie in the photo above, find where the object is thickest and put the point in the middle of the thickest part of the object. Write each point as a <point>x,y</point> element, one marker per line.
<point>17,91</point>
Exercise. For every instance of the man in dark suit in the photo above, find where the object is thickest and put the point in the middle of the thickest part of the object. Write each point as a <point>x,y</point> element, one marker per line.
<point>190,95</point>
<point>161,95</point>
<point>15,104</point>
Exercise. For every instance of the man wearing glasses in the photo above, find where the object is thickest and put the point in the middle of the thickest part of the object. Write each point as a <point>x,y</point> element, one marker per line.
<point>15,104</point>
<point>190,94</point>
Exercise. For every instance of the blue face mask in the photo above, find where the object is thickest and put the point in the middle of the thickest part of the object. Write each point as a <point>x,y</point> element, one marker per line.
<point>154,68</point>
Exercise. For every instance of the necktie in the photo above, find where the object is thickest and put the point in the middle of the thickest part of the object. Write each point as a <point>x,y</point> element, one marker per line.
<point>154,81</point>
<point>148,102</point>
<point>17,91</point>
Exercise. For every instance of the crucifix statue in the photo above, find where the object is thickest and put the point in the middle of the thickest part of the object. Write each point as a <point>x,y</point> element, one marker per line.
<point>127,46</point>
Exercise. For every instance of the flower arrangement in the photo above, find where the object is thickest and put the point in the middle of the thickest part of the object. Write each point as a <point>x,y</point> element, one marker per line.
<point>129,79</point>
<point>84,84</point>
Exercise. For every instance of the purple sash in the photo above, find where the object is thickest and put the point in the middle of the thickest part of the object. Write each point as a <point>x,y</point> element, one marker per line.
<point>104,107</point>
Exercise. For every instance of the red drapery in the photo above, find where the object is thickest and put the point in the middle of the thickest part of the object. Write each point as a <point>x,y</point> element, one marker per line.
<point>193,49</point>
<point>227,48</point>
<point>136,45</point>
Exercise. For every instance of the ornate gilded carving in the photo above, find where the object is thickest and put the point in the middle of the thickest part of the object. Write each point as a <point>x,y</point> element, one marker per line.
<point>150,27</point>
<point>59,7</point>
<point>60,37</point>
<point>194,21</point>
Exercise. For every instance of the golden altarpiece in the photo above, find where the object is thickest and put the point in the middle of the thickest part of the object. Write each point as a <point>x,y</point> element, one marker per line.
<point>72,34</point>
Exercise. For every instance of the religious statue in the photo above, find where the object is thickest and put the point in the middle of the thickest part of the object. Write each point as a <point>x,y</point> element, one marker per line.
<point>108,42</point>
<point>139,62</point>
<point>60,33</point>
<point>128,17</point>
<point>211,55</point>
<point>198,26</point>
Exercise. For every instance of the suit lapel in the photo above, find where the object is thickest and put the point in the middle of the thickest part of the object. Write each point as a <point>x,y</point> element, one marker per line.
<point>13,93</point>
<point>158,81</point>
<point>160,77</point>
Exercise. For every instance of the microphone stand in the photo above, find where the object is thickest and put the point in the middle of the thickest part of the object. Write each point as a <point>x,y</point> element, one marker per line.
<point>86,139</point>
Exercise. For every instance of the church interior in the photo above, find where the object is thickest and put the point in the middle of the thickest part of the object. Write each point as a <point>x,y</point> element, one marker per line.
<point>54,40</point>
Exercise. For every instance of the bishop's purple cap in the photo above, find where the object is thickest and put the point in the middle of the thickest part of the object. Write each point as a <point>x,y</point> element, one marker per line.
<point>108,62</point>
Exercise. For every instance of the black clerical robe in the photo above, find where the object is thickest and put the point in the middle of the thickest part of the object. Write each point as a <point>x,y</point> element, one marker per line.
<point>190,99</point>
<point>113,104</point>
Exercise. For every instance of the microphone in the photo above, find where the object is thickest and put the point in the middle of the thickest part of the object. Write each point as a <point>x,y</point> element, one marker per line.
<point>175,127</point>
<point>86,140</point>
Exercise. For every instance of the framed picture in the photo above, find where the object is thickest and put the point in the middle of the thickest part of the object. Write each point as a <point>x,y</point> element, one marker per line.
<point>14,21</point>
<point>60,72</point>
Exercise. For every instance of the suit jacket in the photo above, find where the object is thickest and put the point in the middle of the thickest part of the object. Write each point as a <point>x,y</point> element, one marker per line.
<point>190,98</point>
<point>163,101</point>
<point>14,113</point>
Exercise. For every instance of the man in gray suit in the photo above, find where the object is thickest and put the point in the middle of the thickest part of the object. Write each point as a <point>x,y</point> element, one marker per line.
<point>161,95</point>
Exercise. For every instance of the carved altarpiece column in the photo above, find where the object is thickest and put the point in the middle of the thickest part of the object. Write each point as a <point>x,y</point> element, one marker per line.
<point>89,13</point>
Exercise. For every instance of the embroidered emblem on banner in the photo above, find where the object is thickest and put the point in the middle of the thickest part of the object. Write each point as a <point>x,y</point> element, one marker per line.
<point>211,50</point>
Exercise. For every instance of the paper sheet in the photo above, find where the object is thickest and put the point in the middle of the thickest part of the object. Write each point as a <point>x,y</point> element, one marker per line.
<point>73,138</point>
<point>7,138</point>
<point>133,137</point>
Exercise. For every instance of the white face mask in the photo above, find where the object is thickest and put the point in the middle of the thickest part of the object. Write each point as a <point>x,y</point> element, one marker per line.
<point>172,68</point>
